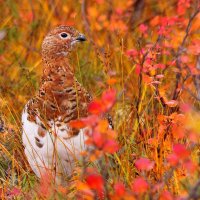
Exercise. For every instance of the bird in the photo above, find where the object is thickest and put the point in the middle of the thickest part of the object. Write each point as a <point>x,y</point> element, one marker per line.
<point>50,144</point>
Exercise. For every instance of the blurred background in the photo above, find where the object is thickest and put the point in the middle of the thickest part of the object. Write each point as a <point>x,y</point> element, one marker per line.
<point>119,34</point>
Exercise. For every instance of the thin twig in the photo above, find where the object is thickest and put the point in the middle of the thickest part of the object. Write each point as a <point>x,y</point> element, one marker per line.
<point>194,194</point>
<point>137,10</point>
<point>191,93</point>
<point>140,80</point>
<point>196,78</point>
<point>180,51</point>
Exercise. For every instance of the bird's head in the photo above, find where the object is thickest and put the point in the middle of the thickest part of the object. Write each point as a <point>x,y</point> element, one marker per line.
<point>60,41</point>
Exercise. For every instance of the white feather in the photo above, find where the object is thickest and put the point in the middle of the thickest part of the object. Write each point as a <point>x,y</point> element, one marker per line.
<point>55,152</point>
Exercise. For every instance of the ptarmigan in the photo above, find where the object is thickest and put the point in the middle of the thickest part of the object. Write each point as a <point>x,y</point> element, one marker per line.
<point>50,143</point>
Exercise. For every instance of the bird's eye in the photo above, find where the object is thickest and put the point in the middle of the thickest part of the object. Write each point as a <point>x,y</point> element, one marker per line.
<point>63,35</point>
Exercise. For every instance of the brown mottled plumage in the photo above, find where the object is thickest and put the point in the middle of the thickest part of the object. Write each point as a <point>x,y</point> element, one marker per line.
<point>61,98</point>
<point>50,143</point>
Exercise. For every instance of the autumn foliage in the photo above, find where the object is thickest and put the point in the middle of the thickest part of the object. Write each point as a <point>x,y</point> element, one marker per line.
<point>142,65</point>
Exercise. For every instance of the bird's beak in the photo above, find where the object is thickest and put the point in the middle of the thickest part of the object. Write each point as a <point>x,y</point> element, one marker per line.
<point>81,38</point>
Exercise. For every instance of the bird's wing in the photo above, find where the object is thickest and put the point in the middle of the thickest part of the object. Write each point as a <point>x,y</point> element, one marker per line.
<point>61,98</point>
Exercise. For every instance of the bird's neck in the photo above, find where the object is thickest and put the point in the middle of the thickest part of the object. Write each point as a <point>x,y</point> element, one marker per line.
<point>53,63</point>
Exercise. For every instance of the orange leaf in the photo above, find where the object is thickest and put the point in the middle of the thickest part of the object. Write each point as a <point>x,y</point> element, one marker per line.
<point>147,79</point>
<point>195,47</point>
<point>93,12</point>
<point>81,186</point>
<point>85,188</point>
<point>111,81</point>
<point>102,126</point>
<point>155,21</point>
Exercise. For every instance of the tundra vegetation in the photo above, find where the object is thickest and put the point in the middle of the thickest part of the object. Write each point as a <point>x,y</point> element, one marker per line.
<point>141,63</point>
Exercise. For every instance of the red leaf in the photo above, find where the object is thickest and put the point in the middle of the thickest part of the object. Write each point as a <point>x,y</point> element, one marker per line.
<point>185,107</point>
<point>119,189</point>
<point>159,76</point>
<point>190,166</point>
<point>184,59</point>
<point>14,192</point>
<point>27,16</point>
<point>108,98</point>
<point>143,28</point>
<point>96,107</point>
<point>98,139</point>
<point>180,151</point>
<point>132,53</point>
<point>144,164</point>
<point>160,66</point>
<point>100,1</point>
<point>100,106</point>
<point>91,120</point>
<point>138,69</point>
<point>45,184</point>
<point>139,186</point>
<point>111,146</point>
<point>173,159</point>
<point>182,7</point>
<point>157,187</point>
<point>95,181</point>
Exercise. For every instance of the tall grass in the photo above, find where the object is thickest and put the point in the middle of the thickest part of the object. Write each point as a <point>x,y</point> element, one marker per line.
<point>144,119</point>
